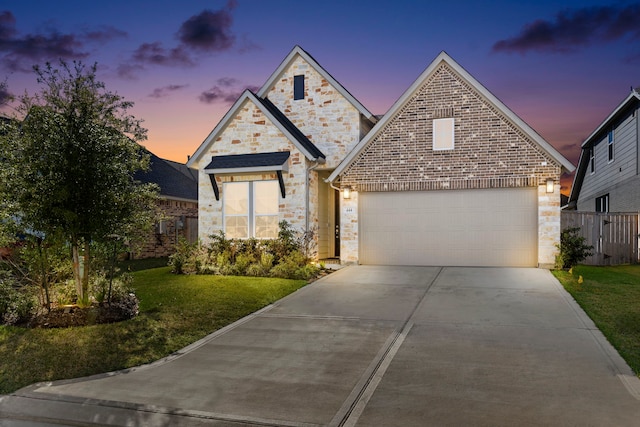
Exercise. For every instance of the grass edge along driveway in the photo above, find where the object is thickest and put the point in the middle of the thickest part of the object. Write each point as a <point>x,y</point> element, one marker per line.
<point>611,298</point>
<point>175,310</point>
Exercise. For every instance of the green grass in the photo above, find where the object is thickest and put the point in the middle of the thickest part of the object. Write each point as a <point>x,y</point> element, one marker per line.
<point>611,298</point>
<point>142,264</point>
<point>174,312</point>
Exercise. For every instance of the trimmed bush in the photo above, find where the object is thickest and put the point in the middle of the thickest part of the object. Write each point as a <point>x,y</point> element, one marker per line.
<point>288,256</point>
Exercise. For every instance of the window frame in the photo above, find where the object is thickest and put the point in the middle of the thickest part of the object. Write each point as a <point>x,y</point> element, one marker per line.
<point>444,134</point>
<point>602,203</point>
<point>592,159</point>
<point>251,194</point>
<point>298,87</point>
<point>610,146</point>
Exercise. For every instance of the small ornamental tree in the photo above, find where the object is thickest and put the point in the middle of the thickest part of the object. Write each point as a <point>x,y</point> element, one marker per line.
<point>572,248</point>
<point>70,162</point>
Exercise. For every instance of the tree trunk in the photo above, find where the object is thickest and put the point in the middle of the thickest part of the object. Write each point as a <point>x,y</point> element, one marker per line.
<point>81,270</point>
<point>75,255</point>
<point>85,270</point>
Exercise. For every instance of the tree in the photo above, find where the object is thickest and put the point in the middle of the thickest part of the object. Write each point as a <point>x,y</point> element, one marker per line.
<point>70,163</point>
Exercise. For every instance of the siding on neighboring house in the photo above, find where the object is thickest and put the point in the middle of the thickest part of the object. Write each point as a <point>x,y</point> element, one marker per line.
<point>618,178</point>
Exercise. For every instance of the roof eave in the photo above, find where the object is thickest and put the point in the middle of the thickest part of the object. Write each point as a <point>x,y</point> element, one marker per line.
<point>633,96</point>
<point>248,95</point>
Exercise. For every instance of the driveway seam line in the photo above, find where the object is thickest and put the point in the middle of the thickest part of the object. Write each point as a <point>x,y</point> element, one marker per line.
<point>356,407</point>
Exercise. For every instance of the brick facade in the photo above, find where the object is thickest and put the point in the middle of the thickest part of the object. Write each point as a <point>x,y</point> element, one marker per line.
<point>179,220</point>
<point>490,152</point>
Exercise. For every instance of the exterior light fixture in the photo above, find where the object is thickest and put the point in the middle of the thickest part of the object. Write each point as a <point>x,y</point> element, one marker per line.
<point>346,192</point>
<point>549,185</point>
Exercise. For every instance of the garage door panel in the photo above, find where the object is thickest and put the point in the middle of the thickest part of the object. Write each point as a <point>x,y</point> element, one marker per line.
<point>492,227</point>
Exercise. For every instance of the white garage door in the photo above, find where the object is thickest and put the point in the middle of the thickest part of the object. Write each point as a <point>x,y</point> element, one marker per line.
<point>492,227</point>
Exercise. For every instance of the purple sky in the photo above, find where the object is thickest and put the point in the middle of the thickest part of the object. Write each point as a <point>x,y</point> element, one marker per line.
<point>561,66</point>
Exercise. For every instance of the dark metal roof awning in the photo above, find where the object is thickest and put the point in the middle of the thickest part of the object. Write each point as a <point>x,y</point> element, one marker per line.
<point>238,164</point>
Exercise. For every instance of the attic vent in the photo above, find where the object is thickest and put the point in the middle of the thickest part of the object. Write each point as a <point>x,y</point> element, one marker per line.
<point>441,113</point>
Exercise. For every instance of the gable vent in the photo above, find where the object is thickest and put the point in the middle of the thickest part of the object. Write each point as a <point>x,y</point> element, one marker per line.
<point>441,113</point>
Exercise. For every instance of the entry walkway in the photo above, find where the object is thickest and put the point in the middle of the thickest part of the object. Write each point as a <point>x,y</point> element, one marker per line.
<point>372,346</point>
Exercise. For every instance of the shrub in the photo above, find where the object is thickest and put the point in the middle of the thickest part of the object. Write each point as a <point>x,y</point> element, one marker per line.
<point>572,248</point>
<point>287,256</point>
<point>182,257</point>
<point>294,266</point>
<point>17,302</point>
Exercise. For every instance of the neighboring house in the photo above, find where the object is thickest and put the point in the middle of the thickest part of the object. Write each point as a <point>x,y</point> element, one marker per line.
<point>608,175</point>
<point>485,191</point>
<point>178,204</point>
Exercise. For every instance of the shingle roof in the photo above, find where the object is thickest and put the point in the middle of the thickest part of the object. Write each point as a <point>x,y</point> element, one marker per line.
<point>172,181</point>
<point>257,160</point>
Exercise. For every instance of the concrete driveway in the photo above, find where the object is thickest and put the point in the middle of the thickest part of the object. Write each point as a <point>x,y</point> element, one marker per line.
<point>372,346</point>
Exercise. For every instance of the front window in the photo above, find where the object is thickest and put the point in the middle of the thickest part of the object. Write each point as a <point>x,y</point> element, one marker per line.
<point>251,209</point>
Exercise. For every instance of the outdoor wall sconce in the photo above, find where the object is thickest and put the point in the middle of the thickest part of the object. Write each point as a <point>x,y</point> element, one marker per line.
<point>549,185</point>
<point>346,192</point>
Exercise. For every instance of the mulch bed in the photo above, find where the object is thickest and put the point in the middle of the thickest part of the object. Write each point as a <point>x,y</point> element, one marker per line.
<point>72,315</point>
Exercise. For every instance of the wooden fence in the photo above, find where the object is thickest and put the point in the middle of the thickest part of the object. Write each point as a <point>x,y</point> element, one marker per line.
<point>614,236</point>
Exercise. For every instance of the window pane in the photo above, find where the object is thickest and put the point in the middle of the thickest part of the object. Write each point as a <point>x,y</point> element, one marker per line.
<point>236,227</point>
<point>266,198</point>
<point>236,198</point>
<point>267,227</point>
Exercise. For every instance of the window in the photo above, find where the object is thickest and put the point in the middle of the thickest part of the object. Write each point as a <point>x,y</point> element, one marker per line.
<point>592,159</point>
<point>610,145</point>
<point>251,209</point>
<point>602,203</point>
<point>298,87</point>
<point>443,136</point>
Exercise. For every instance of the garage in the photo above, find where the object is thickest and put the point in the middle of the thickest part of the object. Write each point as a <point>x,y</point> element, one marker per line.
<point>480,227</point>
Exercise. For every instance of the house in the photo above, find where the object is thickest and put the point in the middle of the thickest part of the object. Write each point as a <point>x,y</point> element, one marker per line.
<point>448,176</point>
<point>178,205</point>
<point>608,174</point>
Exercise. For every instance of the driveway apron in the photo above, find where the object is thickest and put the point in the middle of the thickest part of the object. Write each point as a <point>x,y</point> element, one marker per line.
<point>372,345</point>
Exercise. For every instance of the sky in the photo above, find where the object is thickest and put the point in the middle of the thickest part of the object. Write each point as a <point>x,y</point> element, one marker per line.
<point>561,66</point>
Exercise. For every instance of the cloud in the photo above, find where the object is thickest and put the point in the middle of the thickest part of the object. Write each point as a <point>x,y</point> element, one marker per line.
<point>21,51</point>
<point>226,89</point>
<point>206,32</point>
<point>161,92</point>
<point>104,34</point>
<point>154,53</point>
<point>5,95</point>
<point>209,31</point>
<point>572,29</point>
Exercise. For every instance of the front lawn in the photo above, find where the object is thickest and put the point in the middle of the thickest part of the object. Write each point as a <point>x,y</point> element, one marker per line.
<point>175,310</point>
<point>611,297</point>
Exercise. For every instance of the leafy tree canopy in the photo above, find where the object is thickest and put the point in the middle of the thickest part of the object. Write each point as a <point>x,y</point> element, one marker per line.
<point>70,159</point>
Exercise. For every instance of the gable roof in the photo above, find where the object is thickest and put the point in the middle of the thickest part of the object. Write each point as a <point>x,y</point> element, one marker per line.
<point>172,182</point>
<point>623,108</point>
<point>298,51</point>
<point>443,57</point>
<point>291,132</point>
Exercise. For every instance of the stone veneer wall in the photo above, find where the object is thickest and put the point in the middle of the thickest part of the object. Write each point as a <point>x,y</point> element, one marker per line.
<point>162,245</point>
<point>490,152</point>
<point>324,116</point>
<point>251,132</point>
